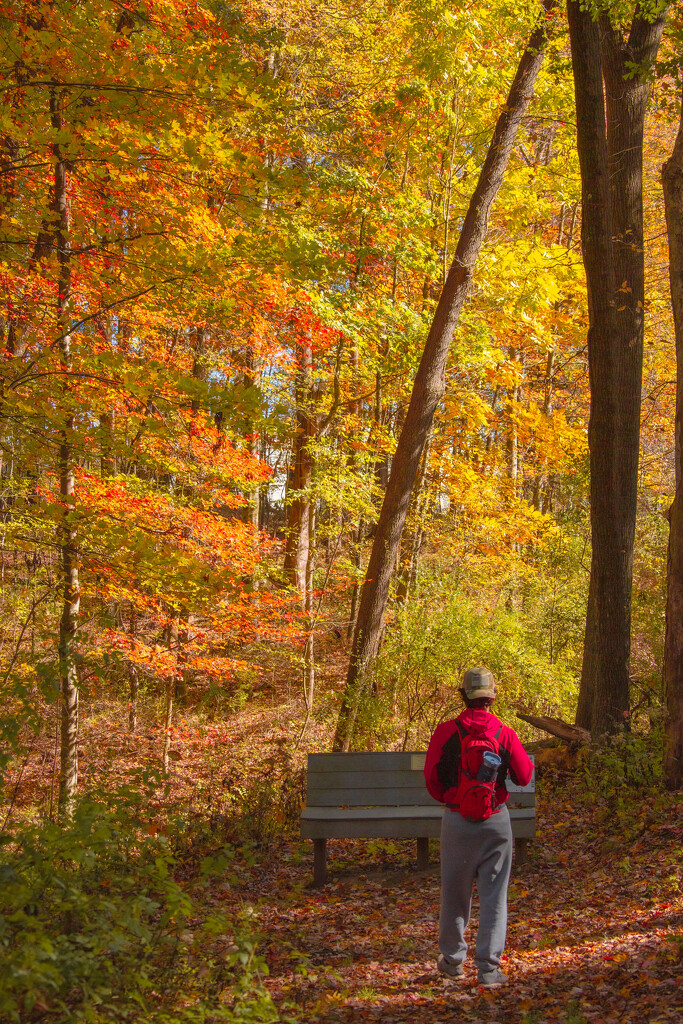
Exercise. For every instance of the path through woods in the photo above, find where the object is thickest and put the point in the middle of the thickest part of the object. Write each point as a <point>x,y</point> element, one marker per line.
<point>596,917</point>
<point>595,933</point>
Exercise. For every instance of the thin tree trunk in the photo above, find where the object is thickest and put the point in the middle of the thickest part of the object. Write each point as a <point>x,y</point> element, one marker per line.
<point>547,410</point>
<point>198,362</point>
<point>253,445</point>
<point>353,463</point>
<point>672,179</point>
<point>429,385</point>
<point>309,649</point>
<point>170,690</point>
<point>610,112</point>
<point>513,441</point>
<point>133,679</point>
<point>296,550</point>
<point>168,720</point>
<point>355,590</point>
<point>183,675</point>
<point>107,459</point>
<point>68,538</point>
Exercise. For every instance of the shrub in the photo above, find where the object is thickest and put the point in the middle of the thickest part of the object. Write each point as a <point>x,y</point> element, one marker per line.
<point>94,927</point>
<point>423,658</point>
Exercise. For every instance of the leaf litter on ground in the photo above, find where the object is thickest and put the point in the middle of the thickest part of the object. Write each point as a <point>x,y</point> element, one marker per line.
<point>595,927</point>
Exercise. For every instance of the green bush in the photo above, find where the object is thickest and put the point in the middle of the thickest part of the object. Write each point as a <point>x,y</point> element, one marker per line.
<point>625,762</point>
<point>94,927</point>
<point>424,655</point>
<point>267,797</point>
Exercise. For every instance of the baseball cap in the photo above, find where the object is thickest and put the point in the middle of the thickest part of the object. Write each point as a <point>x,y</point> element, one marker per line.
<point>479,682</point>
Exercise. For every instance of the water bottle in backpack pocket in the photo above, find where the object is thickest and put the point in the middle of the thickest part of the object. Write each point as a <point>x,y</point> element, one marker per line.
<point>489,766</point>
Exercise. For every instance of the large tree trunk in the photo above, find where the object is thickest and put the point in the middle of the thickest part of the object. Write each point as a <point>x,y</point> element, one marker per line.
<point>67,534</point>
<point>610,148</point>
<point>672,179</point>
<point>411,541</point>
<point>429,385</point>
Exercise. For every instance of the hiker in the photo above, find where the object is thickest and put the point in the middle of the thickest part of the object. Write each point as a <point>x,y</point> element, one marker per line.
<point>467,763</point>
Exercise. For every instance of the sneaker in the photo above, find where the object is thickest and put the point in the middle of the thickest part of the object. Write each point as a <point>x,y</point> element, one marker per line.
<point>492,979</point>
<point>449,967</point>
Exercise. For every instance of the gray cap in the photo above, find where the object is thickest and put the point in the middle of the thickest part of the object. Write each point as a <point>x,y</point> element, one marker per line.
<point>479,682</point>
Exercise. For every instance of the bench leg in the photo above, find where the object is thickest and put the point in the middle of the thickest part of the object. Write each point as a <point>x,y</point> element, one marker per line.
<point>319,861</point>
<point>521,851</point>
<point>422,853</point>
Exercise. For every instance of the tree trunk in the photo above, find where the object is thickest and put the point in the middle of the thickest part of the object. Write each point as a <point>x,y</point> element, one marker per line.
<point>610,148</point>
<point>309,649</point>
<point>547,411</point>
<point>254,449</point>
<point>429,385</point>
<point>107,458</point>
<point>357,556</point>
<point>67,534</point>
<point>133,678</point>
<point>172,634</point>
<point>296,551</point>
<point>513,440</point>
<point>411,542</point>
<point>672,180</point>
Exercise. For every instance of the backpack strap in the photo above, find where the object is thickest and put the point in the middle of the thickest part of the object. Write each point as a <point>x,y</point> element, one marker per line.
<point>448,767</point>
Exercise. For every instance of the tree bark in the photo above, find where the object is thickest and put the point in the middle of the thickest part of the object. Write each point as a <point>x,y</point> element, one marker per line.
<point>610,113</point>
<point>309,648</point>
<point>67,533</point>
<point>429,386</point>
<point>296,550</point>
<point>672,180</point>
<point>411,542</point>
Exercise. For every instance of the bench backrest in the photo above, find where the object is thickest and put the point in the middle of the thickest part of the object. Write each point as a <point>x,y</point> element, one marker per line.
<point>382,779</point>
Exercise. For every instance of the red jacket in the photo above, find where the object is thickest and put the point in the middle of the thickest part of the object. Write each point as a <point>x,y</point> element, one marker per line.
<point>479,723</point>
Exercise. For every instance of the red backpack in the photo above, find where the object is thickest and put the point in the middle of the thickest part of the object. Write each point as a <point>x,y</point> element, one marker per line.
<point>475,796</point>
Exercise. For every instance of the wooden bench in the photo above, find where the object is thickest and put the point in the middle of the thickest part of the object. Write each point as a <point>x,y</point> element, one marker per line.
<point>383,796</point>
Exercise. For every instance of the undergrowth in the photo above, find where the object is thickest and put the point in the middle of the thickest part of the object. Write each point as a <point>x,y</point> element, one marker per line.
<point>97,924</point>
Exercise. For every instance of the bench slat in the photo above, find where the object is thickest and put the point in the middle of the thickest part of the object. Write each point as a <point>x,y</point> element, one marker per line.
<point>368,813</point>
<point>370,797</point>
<point>373,761</point>
<point>390,798</point>
<point>340,771</point>
<point>361,780</point>
<point>396,828</point>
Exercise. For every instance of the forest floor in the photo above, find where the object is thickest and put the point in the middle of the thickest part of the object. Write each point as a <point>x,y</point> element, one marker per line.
<point>596,915</point>
<point>595,930</point>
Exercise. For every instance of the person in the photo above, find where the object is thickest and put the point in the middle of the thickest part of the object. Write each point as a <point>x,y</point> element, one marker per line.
<point>474,849</point>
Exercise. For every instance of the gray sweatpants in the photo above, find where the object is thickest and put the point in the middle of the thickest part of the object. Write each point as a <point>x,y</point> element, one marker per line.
<point>469,850</point>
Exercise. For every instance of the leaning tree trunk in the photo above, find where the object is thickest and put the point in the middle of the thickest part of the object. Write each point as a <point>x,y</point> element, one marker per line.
<point>611,100</point>
<point>429,386</point>
<point>67,534</point>
<point>672,179</point>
